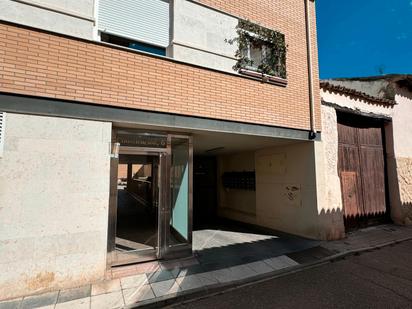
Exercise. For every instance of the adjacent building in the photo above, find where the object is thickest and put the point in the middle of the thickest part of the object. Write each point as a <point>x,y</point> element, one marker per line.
<point>368,146</point>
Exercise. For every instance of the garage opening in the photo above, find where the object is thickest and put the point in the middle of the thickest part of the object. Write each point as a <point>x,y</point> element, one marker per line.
<point>220,200</point>
<point>226,223</point>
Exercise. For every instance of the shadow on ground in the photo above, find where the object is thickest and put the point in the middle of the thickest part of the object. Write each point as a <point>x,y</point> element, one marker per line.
<point>226,243</point>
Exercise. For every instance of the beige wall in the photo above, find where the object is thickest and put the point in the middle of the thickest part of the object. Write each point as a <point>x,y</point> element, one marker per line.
<point>54,191</point>
<point>286,189</point>
<point>287,196</point>
<point>236,204</point>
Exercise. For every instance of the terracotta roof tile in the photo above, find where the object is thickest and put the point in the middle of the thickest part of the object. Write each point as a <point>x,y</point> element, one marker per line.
<point>337,88</point>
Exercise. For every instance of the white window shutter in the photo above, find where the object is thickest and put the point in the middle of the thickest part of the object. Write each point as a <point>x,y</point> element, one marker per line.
<point>141,20</point>
<point>2,132</point>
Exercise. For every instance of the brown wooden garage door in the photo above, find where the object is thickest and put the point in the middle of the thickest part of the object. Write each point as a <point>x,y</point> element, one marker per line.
<point>361,165</point>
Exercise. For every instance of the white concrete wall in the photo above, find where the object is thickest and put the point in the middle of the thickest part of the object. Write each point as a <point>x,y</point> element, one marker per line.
<point>399,152</point>
<point>355,104</point>
<point>54,192</point>
<point>199,36</point>
<point>50,20</point>
<point>239,205</point>
<point>402,124</point>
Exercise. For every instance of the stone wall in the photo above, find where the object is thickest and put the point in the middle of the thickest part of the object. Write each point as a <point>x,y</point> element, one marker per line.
<point>51,15</point>
<point>404,170</point>
<point>54,192</point>
<point>199,35</point>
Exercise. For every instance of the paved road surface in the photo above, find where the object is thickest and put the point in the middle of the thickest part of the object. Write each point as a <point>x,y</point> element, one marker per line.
<point>377,279</point>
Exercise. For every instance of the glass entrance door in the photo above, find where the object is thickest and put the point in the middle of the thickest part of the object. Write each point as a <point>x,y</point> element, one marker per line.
<point>137,214</point>
<point>179,212</point>
<point>150,209</point>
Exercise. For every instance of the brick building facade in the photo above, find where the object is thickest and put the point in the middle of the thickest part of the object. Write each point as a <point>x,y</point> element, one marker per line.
<point>102,122</point>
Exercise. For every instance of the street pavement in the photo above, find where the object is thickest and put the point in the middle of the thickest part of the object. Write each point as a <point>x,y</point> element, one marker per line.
<point>375,279</point>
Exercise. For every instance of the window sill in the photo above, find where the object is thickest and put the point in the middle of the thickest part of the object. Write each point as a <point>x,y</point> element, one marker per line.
<point>264,77</point>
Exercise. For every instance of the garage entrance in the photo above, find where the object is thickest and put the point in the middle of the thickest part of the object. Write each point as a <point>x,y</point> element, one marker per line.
<point>362,170</point>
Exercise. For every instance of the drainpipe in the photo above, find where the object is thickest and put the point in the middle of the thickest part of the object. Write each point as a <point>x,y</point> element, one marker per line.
<point>312,133</point>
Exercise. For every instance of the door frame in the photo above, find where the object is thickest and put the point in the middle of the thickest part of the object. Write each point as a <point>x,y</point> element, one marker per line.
<point>352,119</point>
<point>146,255</point>
<point>165,251</point>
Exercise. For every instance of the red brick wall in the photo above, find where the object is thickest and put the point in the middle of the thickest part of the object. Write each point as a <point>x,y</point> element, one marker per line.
<point>42,64</point>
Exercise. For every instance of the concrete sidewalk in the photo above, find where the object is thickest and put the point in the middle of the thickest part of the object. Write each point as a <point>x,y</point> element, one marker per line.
<point>249,258</point>
<point>377,279</point>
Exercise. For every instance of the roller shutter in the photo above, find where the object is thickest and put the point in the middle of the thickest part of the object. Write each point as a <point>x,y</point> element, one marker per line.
<point>141,20</point>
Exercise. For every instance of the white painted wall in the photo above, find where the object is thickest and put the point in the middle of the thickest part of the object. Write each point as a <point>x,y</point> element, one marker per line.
<point>402,124</point>
<point>36,17</point>
<point>355,104</point>
<point>330,148</point>
<point>399,152</point>
<point>199,36</point>
<point>330,208</point>
<point>54,192</point>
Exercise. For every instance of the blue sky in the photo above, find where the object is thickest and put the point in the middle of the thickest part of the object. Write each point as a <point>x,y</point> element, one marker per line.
<point>364,37</point>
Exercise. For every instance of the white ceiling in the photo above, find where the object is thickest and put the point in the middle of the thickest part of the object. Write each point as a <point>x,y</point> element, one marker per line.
<point>211,143</point>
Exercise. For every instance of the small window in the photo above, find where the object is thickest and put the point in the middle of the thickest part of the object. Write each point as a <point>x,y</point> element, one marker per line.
<point>105,37</point>
<point>257,52</point>
<point>261,52</point>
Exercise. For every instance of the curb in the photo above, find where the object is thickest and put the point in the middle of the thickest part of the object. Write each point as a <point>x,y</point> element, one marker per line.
<point>169,301</point>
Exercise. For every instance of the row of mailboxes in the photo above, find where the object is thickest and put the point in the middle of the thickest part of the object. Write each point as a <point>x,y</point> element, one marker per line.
<point>239,180</point>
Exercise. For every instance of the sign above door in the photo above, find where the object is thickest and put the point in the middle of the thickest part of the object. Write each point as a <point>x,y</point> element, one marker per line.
<point>142,140</point>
